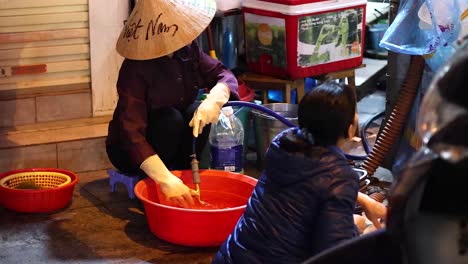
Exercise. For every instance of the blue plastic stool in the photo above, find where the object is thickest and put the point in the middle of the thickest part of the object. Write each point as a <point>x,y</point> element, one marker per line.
<point>128,180</point>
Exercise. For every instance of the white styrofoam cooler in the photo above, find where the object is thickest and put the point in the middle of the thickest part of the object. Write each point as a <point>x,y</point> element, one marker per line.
<point>226,5</point>
<point>304,39</point>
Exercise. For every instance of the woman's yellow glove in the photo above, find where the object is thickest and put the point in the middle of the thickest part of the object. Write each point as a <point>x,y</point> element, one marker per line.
<point>171,186</point>
<point>210,108</point>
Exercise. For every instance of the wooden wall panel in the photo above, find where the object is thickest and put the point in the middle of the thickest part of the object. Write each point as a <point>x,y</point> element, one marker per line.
<point>45,60</point>
<point>36,80</point>
<point>43,35</point>
<point>43,10</point>
<point>44,51</point>
<point>43,19</point>
<point>35,44</point>
<point>40,27</point>
<point>44,44</point>
<point>64,83</point>
<point>8,4</point>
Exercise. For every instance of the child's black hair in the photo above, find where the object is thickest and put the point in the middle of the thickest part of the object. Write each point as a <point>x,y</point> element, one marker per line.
<point>326,112</point>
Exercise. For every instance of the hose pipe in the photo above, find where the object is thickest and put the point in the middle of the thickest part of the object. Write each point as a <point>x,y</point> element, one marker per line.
<point>196,173</point>
<point>398,117</point>
<point>284,120</point>
<point>378,196</point>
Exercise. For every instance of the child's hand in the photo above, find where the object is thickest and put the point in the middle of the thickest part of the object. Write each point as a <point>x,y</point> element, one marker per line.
<point>375,211</point>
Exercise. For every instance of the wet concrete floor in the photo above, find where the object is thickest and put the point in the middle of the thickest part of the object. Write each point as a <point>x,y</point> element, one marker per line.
<point>97,227</point>
<point>100,226</point>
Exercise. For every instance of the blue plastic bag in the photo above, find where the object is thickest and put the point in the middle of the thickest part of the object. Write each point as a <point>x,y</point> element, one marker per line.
<point>412,34</point>
<point>418,30</point>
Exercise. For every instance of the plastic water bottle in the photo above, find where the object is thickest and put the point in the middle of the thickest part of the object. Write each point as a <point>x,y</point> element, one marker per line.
<point>226,142</point>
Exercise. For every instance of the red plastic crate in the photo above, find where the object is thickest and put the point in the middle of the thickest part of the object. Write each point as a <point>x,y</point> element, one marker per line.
<point>304,40</point>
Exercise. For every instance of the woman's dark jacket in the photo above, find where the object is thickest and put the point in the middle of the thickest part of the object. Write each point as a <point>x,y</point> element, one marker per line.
<point>144,86</point>
<point>299,207</point>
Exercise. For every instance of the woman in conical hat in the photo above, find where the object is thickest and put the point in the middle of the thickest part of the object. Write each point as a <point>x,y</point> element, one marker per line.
<point>156,116</point>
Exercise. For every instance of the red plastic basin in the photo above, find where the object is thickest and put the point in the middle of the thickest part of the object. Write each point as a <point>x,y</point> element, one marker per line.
<point>37,201</point>
<point>198,227</point>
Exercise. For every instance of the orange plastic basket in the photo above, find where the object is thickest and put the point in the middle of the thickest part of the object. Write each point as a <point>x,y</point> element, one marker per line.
<point>38,179</point>
<point>52,189</point>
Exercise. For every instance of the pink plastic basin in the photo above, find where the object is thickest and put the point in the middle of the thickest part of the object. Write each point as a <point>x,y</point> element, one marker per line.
<point>195,226</point>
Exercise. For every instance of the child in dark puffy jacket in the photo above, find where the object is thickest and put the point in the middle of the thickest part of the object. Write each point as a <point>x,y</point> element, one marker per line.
<point>305,198</point>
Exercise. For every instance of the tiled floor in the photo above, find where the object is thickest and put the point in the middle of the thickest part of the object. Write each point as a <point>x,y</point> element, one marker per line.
<point>104,227</point>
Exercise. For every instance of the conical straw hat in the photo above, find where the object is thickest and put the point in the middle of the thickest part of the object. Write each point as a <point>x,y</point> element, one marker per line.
<point>158,27</point>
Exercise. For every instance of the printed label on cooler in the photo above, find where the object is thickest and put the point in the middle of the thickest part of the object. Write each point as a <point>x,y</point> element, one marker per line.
<point>265,41</point>
<point>329,37</point>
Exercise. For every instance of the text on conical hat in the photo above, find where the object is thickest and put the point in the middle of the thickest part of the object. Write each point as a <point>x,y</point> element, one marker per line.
<point>153,27</point>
